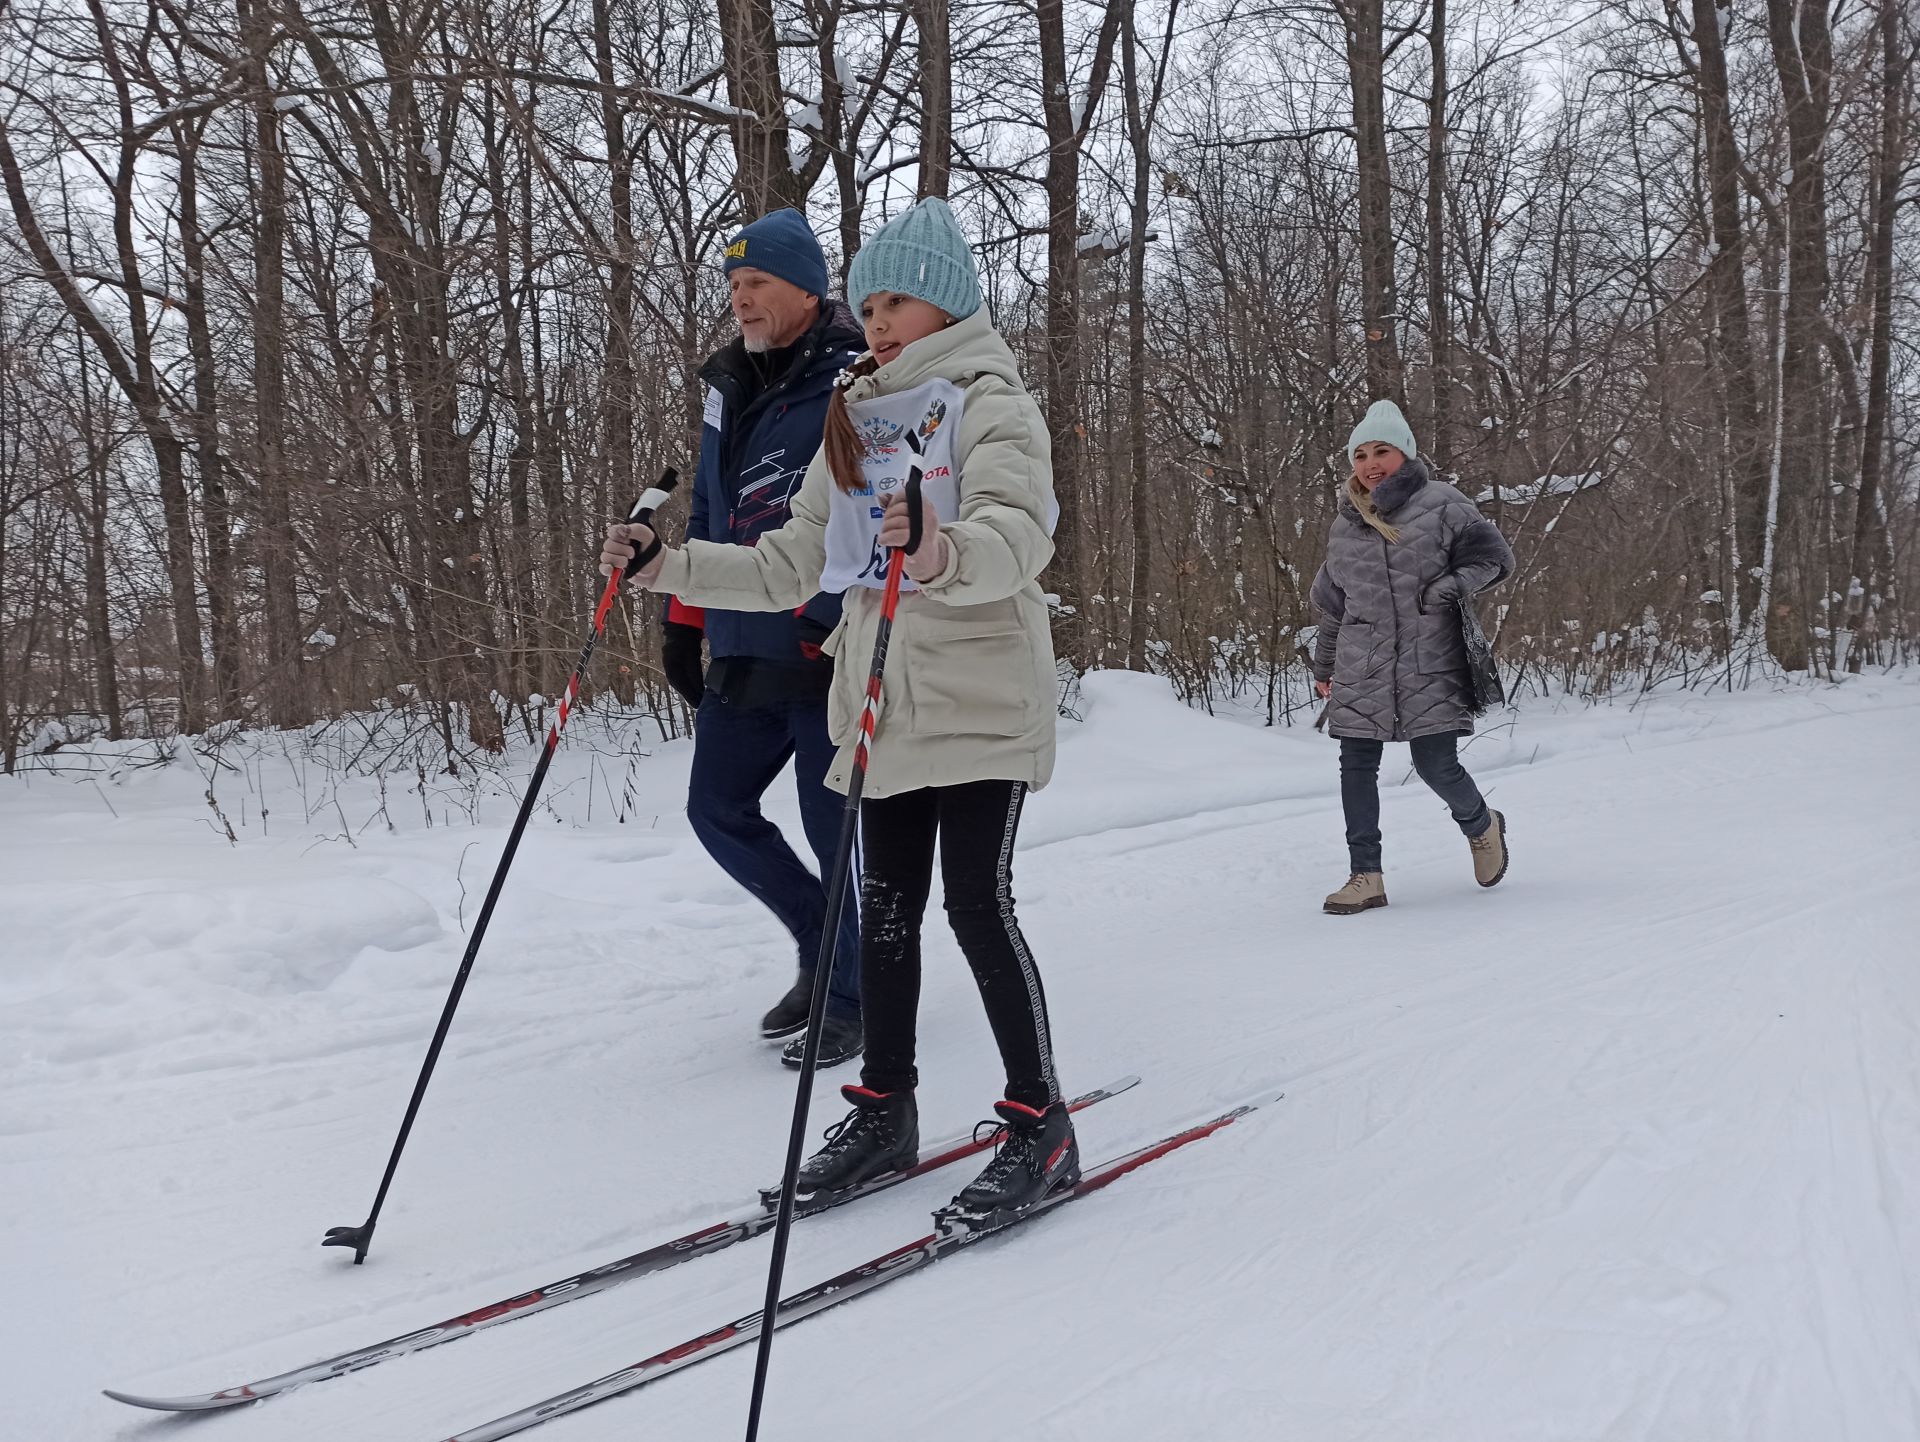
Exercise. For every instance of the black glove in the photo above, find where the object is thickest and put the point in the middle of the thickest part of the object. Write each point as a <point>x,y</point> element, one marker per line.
<point>811,635</point>
<point>680,659</point>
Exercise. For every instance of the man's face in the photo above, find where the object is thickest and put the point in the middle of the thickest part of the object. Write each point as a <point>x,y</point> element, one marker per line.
<point>772,312</point>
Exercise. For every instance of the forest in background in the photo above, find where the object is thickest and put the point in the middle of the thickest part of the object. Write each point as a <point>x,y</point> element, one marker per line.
<point>332,334</point>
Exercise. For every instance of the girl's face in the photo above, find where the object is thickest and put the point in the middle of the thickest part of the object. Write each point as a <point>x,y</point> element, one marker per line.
<point>895,321</point>
<point>1374,461</point>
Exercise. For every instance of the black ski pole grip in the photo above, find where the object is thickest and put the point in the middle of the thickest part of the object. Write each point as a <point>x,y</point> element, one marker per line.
<point>642,515</point>
<point>914,528</point>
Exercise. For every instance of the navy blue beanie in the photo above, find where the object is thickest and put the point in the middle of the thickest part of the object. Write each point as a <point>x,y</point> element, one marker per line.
<point>781,244</point>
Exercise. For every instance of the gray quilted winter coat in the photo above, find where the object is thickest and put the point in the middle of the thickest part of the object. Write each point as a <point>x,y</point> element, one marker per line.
<point>1389,637</point>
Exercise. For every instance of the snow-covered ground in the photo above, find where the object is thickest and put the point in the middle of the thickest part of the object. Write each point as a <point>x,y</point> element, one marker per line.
<point>1628,1148</point>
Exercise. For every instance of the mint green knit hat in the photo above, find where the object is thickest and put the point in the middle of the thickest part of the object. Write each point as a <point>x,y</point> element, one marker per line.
<point>921,252</point>
<point>1384,422</point>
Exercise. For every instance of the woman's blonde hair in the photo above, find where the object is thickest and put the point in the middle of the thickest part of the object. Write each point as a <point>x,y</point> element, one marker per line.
<point>1362,500</point>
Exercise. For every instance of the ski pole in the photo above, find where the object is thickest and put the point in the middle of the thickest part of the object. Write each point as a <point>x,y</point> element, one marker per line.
<point>361,1237</point>
<point>823,970</point>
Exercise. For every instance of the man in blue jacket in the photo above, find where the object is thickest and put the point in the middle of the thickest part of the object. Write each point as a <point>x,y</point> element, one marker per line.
<point>763,701</point>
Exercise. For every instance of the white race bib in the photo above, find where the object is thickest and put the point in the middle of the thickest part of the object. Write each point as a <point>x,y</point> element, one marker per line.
<point>930,410</point>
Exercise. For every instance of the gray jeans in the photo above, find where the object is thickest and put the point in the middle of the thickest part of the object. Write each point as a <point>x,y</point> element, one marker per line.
<point>1437,760</point>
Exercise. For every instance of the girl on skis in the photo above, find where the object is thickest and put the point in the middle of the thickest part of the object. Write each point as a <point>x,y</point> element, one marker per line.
<point>1406,551</point>
<point>966,716</point>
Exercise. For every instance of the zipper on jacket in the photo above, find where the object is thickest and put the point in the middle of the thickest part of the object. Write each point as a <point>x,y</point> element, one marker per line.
<point>1386,560</point>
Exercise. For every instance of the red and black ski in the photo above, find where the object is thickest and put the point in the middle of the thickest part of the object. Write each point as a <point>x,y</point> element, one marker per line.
<point>913,1257</point>
<point>657,1258</point>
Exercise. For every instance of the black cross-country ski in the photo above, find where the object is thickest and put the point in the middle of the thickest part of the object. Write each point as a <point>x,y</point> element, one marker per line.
<point>855,1282</point>
<point>658,1258</point>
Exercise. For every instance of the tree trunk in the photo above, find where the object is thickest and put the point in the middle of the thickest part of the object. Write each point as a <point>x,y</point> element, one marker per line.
<point>936,97</point>
<point>764,173</point>
<point>1439,336</point>
<point>215,504</point>
<point>1379,299</point>
<point>518,571</point>
<point>1140,120</point>
<point>1802,51</point>
<point>1744,453</point>
<point>1857,636</point>
<point>96,437</point>
<point>274,541</point>
<point>1066,127</point>
<point>617,395</point>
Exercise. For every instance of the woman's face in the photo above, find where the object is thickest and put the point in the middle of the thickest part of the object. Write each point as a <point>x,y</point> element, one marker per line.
<point>895,321</point>
<point>1374,461</point>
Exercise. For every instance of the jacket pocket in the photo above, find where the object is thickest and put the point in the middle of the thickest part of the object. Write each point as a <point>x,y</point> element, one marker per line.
<point>1353,652</point>
<point>1441,647</point>
<point>969,673</point>
<point>849,690</point>
<point>842,706</point>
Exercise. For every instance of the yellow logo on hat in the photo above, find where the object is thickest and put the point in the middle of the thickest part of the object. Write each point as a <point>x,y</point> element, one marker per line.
<point>738,250</point>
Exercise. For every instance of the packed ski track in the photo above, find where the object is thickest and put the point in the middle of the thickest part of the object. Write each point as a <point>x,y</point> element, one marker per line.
<point>1627,1148</point>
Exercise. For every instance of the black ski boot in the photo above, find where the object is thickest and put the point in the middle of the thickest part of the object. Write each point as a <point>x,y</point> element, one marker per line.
<point>841,1039</point>
<point>1037,1156</point>
<point>880,1135</point>
<point>789,1014</point>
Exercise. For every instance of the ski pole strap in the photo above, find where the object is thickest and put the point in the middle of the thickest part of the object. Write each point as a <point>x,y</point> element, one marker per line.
<point>642,515</point>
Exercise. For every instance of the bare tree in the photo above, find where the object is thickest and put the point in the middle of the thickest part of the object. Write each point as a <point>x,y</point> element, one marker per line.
<point>1367,55</point>
<point>1069,113</point>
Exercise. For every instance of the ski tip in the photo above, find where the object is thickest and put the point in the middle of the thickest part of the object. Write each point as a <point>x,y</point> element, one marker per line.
<point>173,1404</point>
<point>1254,1103</point>
<point>1100,1094</point>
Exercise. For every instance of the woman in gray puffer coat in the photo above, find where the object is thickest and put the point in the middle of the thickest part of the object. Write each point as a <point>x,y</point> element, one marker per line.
<point>1405,552</point>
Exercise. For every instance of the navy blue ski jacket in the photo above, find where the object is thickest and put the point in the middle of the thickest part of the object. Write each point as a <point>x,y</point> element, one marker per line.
<point>755,446</point>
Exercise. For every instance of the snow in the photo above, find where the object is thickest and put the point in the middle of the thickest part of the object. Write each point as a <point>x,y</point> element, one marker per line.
<point>1625,1148</point>
<point>802,126</point>
<point>1539,488</point>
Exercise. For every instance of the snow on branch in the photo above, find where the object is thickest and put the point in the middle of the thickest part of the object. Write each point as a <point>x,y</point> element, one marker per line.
<point>1540,488</point>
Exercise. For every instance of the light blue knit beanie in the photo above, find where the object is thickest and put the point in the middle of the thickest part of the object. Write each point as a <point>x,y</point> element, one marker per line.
<point>922,253</point>
<point>1383,422</point>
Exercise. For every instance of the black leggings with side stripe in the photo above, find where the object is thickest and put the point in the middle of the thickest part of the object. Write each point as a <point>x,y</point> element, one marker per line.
<point>974,825</point>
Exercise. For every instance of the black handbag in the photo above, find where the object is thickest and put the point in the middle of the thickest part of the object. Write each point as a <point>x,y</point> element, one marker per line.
<point>1483,671</point>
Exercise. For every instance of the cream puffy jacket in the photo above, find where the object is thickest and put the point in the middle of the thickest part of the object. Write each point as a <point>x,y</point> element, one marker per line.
<point>969,689</point>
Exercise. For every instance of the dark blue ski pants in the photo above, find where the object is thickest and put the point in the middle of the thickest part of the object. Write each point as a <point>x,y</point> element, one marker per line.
<point>738,751</point>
